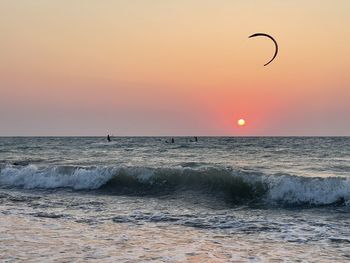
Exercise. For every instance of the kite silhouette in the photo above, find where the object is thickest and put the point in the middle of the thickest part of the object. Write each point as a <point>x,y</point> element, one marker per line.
<point>274,41</point>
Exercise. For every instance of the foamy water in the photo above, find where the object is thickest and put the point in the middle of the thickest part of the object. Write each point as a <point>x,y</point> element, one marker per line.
<point>142,199</point>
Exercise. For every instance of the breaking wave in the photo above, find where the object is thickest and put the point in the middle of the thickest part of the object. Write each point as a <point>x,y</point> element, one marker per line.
<point>234,185</point>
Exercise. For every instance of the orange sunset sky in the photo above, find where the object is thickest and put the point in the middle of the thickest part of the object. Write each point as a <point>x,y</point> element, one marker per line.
<point>184,67</point>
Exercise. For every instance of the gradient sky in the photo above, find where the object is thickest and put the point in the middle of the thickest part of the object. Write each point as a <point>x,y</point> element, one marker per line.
<point>184,67</point>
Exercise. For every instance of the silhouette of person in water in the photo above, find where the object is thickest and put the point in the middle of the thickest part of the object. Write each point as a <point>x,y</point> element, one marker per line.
<point>172,141</point>
<point>108,138</point>
<point>195,139</point>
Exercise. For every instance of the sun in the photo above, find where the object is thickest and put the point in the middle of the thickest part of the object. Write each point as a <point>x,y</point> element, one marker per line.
<point>241,122</point>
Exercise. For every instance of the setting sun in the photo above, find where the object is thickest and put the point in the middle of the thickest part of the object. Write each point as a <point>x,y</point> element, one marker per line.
<point>241,122</point>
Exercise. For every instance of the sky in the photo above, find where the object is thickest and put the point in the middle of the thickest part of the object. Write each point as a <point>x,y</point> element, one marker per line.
<point>185,67</point>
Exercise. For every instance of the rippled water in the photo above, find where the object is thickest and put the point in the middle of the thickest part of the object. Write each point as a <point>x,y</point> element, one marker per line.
<point>142,199</point>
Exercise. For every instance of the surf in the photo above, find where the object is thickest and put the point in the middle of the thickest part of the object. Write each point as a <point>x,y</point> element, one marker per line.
<point>235,185</point>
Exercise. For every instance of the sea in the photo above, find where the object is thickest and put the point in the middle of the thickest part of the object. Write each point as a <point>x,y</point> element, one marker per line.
<point>145,199</point>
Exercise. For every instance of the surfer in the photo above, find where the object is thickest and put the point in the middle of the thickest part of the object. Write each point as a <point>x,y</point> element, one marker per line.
<point>108,138</point>
<point>195,139</point>
<point>172,141</point>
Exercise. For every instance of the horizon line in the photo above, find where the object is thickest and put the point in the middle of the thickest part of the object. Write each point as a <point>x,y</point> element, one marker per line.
<point>183,136</point>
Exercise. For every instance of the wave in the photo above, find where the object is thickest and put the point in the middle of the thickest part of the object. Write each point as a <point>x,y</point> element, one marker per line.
<point>233,185</point>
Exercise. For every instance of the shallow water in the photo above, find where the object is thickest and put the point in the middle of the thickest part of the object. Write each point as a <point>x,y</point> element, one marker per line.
<point>142,199</point>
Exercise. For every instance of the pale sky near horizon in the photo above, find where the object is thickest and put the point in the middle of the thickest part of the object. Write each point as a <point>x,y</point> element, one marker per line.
<point>185,67</point>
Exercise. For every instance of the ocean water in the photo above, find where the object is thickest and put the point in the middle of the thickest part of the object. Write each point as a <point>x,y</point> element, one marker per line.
<point>141,199</point>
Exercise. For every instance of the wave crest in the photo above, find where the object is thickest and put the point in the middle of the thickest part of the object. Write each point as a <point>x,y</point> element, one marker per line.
<point>235,185</point>
<point>30,177</point>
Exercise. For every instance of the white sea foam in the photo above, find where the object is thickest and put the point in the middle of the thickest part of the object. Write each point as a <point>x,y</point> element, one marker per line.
<point>316,191</point>
<point>30,177</point>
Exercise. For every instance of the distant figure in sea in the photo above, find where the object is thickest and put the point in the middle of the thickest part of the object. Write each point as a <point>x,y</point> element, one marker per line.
<point>172,141</point>
<point>195,139</point>
<point>108,138</point>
